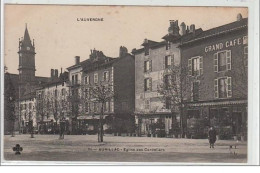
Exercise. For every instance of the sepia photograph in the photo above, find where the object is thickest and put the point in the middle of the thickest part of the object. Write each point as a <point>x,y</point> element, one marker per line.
<point>134,84</point>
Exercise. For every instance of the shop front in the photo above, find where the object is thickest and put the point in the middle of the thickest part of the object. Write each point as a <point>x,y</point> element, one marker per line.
<point>229,118</point>
<point>89,124</point>
<point>157,125</point>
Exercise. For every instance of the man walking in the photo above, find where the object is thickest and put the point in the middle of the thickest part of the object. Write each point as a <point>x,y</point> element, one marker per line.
<point>212,137</point>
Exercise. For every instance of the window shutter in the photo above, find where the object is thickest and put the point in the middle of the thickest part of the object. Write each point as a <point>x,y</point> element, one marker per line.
<point>150,84</point>
<point>164,61</point>
<point>145,81</point>
<point>144,66</point>
<point>191,91</point>
<point>150,65</point>
<point>216,88</point>
<point>172,60</point>
<point>215,62</point>
<point>108,76</point>
<point>201,65</point>
<point>229,87</point>
<point>189,66</point>
<point>112,106</point>
<point>228,59</point>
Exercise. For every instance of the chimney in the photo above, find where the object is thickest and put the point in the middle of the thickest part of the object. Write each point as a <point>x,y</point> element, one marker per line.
<point>183,28</point>
<point>174,28</point>
<point>192,28</point>
<point>77,60</point>
<point>122,51</point>
<point>187,30</point>
<point>52,73</point>
<point>239,17</point>
<point>56,73</point>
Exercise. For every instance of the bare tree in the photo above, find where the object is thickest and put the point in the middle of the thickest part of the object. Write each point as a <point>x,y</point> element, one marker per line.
<point>55,107</point>
<point>74,103</point>
<point>172,91</point>
<point>101,93</point>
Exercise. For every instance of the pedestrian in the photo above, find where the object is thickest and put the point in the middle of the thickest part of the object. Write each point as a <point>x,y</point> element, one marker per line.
<point>212,137</point>
<point>62,128</point>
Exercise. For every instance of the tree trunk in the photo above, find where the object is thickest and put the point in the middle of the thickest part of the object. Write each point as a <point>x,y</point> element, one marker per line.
<point>13,124</point>
<point>100,129</point>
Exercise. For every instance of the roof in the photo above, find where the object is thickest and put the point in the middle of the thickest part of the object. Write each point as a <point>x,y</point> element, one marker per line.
<point>92,66</point>
<point>230,27</point>
<point>172,38</point>
<point>15,81</point>
<point>56,81</point>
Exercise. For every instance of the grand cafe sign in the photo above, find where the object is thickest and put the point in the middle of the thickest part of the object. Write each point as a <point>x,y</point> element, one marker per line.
<point>227,44</point>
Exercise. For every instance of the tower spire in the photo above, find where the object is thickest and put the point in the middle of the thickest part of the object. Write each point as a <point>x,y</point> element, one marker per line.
<point>26,39</point>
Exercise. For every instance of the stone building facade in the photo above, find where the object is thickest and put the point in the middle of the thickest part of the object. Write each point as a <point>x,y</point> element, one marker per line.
<point>52,103</point>
<point>152,63</point>
<point>217,73</point>
<point>115,73</point>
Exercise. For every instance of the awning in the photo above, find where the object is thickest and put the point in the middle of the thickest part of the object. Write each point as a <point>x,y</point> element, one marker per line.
<point>87,117</point>
<point>233,102</point>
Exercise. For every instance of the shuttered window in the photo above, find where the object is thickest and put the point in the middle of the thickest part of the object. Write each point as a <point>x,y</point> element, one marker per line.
<point>223,87</point>
<point>195,66</point>
<point>168,61</point>
<point>106,76</point>
<point>87,80</point>
<point>148,84</point>
<point>148,66</point>
<point>222,61</point>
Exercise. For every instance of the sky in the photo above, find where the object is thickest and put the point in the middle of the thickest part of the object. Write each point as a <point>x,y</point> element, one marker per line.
<point>59,37</point>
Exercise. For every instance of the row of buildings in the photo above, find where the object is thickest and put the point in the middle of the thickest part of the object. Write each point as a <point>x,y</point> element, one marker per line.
<point>191,80</point>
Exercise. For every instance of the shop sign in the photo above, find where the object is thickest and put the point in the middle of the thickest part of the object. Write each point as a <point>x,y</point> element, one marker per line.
<point>227,44</point>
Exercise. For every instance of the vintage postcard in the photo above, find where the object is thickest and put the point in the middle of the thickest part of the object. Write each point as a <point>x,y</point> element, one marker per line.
<point>132,84</point>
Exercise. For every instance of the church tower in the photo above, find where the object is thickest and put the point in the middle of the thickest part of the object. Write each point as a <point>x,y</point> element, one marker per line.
<point>26,62</point>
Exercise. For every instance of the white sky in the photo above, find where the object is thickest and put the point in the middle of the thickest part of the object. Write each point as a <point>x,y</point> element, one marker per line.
<point>59,37</point>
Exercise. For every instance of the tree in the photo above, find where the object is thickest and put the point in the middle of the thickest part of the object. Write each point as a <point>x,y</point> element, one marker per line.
<point>54,101</point>
<point>74,98</point>
<point>101,93</point>
<point>41,105</point>
<point>172,91</point>
<point>9,93</point>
